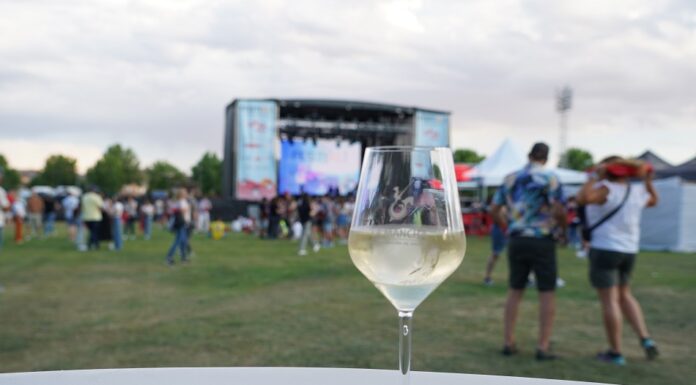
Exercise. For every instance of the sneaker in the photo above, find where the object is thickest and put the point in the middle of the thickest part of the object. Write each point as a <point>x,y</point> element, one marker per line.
<point>302,253</point>
<point>316,248</point>
<point>611,358</point>
<point>650,348</point>
<point>488,282</point>
<point>560,282</point>
<point>509,350</point>
<point>545,355</point>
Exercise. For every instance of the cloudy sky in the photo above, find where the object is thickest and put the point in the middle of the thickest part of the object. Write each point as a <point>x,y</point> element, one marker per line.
<point>76,76</point>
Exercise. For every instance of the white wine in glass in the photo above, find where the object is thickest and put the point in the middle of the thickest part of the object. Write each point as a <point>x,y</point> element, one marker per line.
<point>407,234</point>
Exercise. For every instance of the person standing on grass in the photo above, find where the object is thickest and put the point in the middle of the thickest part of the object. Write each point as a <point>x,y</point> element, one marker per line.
<point>92,215</point>
<point>181,212</point>
<point>148,212</point>
<point>19,211</point>
<point>304,212</point>
<point>70,204</point>
<point>116,211</point>
<point>35,210</point>
<point>204,207</point>
<point>49,215</point>
<point>498,241</point>
<point>4,206</point>
<point>534,201</point>
<point>613,211</point>
<point>131,209</point>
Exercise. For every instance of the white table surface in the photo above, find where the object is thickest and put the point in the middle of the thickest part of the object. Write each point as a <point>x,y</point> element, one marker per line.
<point>259,376</point>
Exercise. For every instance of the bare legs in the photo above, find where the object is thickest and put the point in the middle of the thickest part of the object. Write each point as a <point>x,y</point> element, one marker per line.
<point>490,265</point>
<point>512,307</point>
<point>547,311</point>
<point>617,301</point>
<point>611,314</point>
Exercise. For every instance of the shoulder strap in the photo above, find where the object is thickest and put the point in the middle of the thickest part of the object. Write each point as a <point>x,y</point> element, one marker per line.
<point>614,211</point>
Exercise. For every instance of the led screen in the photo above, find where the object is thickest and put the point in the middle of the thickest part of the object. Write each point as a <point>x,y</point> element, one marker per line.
<point>316,168</point>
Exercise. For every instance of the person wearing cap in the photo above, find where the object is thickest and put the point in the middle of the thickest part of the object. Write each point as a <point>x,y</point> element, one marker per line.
<point>534,203</point>
<point>613,213</point>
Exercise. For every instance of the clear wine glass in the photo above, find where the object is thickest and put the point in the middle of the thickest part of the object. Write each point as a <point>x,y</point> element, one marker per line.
<point>407,234</point>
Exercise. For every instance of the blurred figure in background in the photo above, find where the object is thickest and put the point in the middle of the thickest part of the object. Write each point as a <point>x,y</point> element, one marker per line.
<point>92,216</point>
<point>181,219</point>
<point>35,213</point>
<point>131,211</point>
<point>345,213</point>
<point>274,218</point>
<point>204,207</point>
<point>329,210</point>
<point>148,214</point>
<point>613,210</point>
<point>4,206</point>
<point>19,211</point>
<point>159,212</point>
<point>70,204</point>
<point>265,209</point>
<point>116,211</point>
<point>49,214</point>
<point>304,212</point>
<point>498,242</point>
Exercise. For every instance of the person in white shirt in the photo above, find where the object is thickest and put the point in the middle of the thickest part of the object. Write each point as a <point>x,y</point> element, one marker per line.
<point>70,204</point>
<point>117,208</point>
<point>204,207</point>
<point>148,211</point>
<point>613,213</point>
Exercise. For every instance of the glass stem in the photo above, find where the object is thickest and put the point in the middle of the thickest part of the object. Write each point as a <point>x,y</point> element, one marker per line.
<point>405,332</point>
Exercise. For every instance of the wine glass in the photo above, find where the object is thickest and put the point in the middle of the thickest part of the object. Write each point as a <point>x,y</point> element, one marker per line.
<point>407,234</point>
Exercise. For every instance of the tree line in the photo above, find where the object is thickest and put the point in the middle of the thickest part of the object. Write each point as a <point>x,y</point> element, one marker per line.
<point>120,166</point>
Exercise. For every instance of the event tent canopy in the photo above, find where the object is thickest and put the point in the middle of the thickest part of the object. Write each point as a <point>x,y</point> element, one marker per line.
<point>657,162</point>
<point>686,170</point>
<point>508,158</point>
<point>671,225</point>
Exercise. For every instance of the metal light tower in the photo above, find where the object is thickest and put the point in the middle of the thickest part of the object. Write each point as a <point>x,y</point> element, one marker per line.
<point>564,99</point>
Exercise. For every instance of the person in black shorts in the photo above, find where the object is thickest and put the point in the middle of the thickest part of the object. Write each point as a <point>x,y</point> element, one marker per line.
<point>534,201</point>
<point>613,210</point>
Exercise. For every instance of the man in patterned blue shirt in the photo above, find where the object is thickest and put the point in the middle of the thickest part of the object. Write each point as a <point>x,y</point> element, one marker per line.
<point>534,201</point>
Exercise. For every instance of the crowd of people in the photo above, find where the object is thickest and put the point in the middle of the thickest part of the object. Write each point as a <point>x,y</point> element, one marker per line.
<point>322,221</point>
<point>530,213</point>
<point>93,218</point>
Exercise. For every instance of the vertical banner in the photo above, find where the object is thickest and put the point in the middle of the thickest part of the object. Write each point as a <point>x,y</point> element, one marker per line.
<point>432,129</point>
<point>256,137</point>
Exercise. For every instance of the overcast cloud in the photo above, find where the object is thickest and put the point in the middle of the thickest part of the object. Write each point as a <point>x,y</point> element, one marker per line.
<point>76,76</point>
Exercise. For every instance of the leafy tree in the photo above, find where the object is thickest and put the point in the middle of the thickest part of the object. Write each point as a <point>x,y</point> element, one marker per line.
<point>164,176</point>
<point>11,178</point>
<point>207,173</point>
<point>576,159</point>
<point>58,170</point>
<point>465,155</point>
<point>117,167</point>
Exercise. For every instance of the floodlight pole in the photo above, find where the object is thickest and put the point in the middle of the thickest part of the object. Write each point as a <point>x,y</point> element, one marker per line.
<point>564,99</point>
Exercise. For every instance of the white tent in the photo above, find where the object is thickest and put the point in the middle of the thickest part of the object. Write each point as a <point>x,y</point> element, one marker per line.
<point>508,158</point>
<point>671,225</point>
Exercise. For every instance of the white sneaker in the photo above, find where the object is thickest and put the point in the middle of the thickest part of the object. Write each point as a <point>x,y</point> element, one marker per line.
<point>302,252</point>
<point>316,248</point>
<point>560,282</point>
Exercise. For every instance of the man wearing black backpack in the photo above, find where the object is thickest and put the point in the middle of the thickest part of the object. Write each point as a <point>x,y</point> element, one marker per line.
<point>613,211</point>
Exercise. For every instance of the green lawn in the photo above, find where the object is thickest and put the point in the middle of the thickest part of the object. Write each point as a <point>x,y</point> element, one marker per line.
<point>247,302</point>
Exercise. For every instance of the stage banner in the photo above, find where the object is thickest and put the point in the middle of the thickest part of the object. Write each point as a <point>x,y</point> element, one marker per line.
<point>256,137</point>
<point>432,129</point>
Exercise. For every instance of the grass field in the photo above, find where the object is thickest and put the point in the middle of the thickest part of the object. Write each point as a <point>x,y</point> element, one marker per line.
<point>247,302</point>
